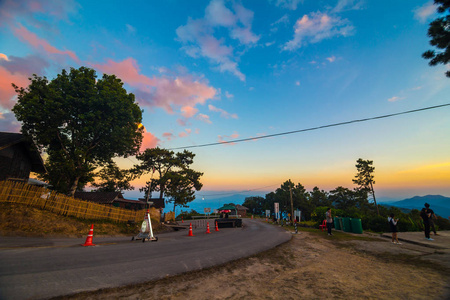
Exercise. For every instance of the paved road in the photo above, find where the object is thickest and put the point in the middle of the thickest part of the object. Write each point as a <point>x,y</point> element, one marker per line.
<point>42,268</point>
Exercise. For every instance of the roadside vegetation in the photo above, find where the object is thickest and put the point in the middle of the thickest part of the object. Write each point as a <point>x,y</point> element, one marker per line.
<point>359,203</point>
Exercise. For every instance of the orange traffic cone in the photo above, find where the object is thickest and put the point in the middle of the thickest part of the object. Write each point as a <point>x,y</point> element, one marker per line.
<point>207,228</point>
<point>217,227</point>
<point>252,217</point>
<point>190,230</point>
<point>89,237</point>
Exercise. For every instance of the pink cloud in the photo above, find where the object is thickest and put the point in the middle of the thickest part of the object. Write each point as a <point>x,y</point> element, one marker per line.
<point>222,112</point>
<point>188,111</point>
<point>204,118</point>
<point>7,92</point>
<point>16,70</point>
<point>222,138</point>
<point>165,92</point>
<point>168,135</point>
<point>316,27</point>
<point>182,122</point>
<point>38,43</point>
<point>198,37</point>
<point>28,10</point>
<point>149,141</point>
<point>185,133</point>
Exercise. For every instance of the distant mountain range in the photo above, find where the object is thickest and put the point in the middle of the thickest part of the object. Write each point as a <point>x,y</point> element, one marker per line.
<point>439,204</point>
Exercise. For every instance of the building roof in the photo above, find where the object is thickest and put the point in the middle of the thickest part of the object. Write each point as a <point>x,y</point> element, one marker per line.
<point>104,197</point>
<point>9,139</point>
<point>241,207</point>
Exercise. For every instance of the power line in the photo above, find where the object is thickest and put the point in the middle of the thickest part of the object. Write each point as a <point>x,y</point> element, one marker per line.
<point>312,128</point>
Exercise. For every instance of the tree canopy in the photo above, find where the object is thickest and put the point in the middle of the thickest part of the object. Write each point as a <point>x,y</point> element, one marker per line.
<point>364,178</point>
<point>80,122</point>
<point>175,179</point>
<point>113,179</point>
<point>439,32</point>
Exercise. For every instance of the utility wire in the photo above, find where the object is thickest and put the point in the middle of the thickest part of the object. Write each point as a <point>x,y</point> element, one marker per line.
<point>312,128</point>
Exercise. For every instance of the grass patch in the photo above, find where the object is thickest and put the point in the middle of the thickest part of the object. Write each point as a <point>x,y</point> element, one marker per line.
<point>22,220</point>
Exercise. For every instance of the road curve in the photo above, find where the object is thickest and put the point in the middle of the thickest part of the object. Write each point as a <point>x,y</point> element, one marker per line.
<point>44,268</point>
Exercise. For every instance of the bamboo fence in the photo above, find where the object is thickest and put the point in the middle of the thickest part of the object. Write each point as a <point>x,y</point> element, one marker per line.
<point>43,198</point>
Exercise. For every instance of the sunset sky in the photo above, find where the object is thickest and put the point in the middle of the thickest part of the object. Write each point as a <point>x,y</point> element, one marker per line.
<point>216,70</point>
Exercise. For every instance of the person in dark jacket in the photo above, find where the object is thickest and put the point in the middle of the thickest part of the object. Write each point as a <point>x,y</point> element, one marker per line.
<point>329,220</point>
<point>393,228</point>
<point>425,214</point>
<point>432,218</point>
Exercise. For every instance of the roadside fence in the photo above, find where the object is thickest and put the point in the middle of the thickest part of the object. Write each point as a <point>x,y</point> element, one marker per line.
<point>43,198</point>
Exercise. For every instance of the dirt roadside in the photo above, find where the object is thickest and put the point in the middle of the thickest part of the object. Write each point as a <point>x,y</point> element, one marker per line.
<point>310,266</point>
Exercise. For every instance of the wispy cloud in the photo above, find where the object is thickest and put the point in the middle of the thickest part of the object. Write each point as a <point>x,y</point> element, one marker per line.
<point>224,138</point>
<point>185,133</point>
<point>168,136</point>
<point>17,70</point>
<point>167,92</point>
<point>288,4</point>
<point>203,118</point>
<point>346,5</point>
<point>228,95</point>
<point>222,112</point>
<point>316,27</point>
<point>188,111</point>
<point>29,11</point>
<point>331,58</point>
<point>41,44</point>
<point>395,98</point>
<point>424,12</point>
<point>199,35</point>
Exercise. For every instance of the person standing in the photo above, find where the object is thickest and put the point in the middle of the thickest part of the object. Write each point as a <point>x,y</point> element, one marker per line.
<point>329,220</point>
<point>432,218</point>
<point>393,228</point>
<point>425,215</point>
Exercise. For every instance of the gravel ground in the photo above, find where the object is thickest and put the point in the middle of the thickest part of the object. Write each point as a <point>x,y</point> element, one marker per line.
<point>310,266</point>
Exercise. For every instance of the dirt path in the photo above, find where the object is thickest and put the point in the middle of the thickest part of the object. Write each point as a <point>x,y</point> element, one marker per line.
<point>310,266</point>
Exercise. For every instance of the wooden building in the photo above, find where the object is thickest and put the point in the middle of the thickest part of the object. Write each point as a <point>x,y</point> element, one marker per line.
<point>115,199</point>
<point>18,157</point>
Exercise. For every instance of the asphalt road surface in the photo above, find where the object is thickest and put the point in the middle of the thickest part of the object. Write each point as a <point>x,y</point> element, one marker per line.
<point>33,268</point>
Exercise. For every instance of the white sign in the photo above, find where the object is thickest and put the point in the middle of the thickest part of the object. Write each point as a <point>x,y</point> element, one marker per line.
<point>277,210</point>
<point>207,210</point>
<point>267,213</point>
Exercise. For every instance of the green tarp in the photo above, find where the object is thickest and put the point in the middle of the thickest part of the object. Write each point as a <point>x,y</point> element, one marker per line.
<point>227,207</point>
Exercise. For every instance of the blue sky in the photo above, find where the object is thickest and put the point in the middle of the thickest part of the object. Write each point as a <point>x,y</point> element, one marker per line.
<point>212,71</point>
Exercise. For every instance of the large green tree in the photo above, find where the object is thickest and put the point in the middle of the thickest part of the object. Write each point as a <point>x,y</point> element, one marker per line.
<point>343,198</point>
<point>80,122</point>
<point>174,179</point>
<point>113,179</point>
<point>364,178</point>
<point>181,187</point>
<point>439,32</point>
<point>256,205</point>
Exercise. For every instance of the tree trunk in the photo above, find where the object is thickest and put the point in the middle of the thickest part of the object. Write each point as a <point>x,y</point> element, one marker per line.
<point>374,199</point>
<point>74,186</point>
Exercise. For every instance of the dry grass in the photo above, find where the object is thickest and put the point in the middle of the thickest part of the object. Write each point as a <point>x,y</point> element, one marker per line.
<point>21,220</point>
